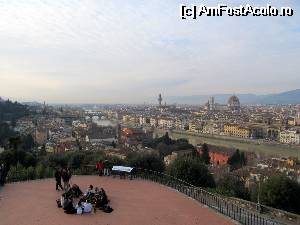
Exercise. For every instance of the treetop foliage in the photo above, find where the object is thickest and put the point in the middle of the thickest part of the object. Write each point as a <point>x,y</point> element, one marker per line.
<point>11,111</point>
<point>281,192</point>
<point>191,170</point>
<point>205,154</point>
<point>237,160</point>
<point>166,145</point>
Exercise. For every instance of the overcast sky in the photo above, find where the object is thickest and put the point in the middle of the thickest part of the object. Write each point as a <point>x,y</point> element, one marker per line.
<point>128,51</point>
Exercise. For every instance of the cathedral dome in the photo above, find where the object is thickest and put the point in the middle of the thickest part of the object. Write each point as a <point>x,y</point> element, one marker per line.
<point>234,103</point>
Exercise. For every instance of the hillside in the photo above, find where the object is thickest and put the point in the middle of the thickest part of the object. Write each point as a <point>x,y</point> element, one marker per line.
<point>289,97</point>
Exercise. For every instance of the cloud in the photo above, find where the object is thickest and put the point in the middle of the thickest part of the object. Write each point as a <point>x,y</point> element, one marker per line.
<point>116,51</point>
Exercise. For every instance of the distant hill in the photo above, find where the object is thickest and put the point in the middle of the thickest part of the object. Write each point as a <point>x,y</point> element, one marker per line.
<point>32,103</point>
<point>11,111</point>
<point>289,97</point>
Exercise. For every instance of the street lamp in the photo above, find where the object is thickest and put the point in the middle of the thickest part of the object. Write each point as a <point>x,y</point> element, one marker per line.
<point>258,206</point>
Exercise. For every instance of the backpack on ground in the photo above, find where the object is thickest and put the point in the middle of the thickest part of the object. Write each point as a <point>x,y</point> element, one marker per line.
<point>107,209</point>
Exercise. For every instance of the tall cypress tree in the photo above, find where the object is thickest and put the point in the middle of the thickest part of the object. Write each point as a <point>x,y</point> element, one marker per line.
<point>205,154</point>
<point>237,160</point>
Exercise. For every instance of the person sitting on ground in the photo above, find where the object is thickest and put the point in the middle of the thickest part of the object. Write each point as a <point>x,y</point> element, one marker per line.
<point>104,197</point>
<point>96,198</point>
<point>90,191</point>
<point>80,207</point>
<point>68,206</point>
<point>75,191</point>
<point>64,198</point>
<point>87,207</point>
<point>83,207</point>
<point>100,199</point>
<point>89,194</point>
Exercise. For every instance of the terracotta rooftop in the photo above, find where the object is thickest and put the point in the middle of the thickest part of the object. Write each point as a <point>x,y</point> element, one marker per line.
<point>135,202</point>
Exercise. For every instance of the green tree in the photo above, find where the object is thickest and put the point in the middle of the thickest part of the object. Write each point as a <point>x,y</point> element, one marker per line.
<point>27,142</point>
<point>205,154</point>
<point>56,160</point>
<point>232,187</point>
<point>281,192</point>
<point>76,160</point>
<point>163,149</point>
<point>166,139</point>
<point>42,151</point>
<point>91,158</point>
<point>6,160</point>
<point>31,173</point>
<point>237,160</point>
<point>29,160</point>
<point>146,161</point>
<point>165,145</point>
<point>15,142</point>
<point>191,170</point>
<point>5,133</point>
<point>11,111</point>
<point>41,171</point>
<point>7,157</point>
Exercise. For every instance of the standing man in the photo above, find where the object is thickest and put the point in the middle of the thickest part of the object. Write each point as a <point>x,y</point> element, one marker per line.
<point>65,178</point>
<point>58,179</point>
<point>100,167</point>
<point>69,175</point>
<point>106,168</point>
<point>3,173</point>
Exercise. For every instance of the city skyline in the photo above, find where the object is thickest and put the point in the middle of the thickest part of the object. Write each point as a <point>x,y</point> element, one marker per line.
<point>116,52</point>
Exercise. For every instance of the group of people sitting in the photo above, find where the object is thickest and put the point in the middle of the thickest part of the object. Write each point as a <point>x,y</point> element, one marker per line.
<point>92,199</point>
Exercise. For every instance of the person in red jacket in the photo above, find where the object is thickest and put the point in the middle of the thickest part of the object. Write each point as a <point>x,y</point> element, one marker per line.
<point>100,167</point>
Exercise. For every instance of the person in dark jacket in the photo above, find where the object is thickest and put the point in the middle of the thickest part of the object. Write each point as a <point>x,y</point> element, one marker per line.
<point>75,191</point>
<point>100,199</point>
<point>65,178</point>
<point>68,206</point>
<point>104,197</point>
<point>58,179</point>
<point>3,173</point>
<point>107,168</point>
<point>69,172</point>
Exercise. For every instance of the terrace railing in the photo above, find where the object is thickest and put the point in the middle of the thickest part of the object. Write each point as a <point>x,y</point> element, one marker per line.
<point>232,208</point>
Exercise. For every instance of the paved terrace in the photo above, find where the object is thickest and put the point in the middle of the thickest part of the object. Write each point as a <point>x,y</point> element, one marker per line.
<point>135,202</point>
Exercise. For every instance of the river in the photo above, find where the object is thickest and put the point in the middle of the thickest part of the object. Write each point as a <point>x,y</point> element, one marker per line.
<point>259,147</point>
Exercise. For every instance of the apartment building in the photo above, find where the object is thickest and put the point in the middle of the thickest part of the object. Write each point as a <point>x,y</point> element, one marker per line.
<point>290,137</point>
